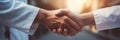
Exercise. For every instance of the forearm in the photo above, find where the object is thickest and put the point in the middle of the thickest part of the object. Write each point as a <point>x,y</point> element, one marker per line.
<point>41,15</point>
<point>87,19</point>
<point>39,19</point>
<point>17,14</point>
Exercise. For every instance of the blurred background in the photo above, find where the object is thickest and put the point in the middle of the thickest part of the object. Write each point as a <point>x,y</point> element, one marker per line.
<point>76,6</point>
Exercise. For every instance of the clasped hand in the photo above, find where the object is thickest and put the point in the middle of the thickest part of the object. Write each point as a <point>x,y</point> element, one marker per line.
<point>62,22</point>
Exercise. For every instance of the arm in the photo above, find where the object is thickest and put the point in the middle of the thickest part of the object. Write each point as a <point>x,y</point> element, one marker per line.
<point>106,18</point>
<point>17,14</point>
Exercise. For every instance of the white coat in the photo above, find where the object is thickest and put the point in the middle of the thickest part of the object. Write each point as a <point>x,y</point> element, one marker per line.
<point>19,16</point>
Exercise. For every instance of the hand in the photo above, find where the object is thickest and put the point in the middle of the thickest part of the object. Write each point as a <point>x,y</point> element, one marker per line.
<point>61,25</point>
<point>86,19</point>
<point>75,17</point>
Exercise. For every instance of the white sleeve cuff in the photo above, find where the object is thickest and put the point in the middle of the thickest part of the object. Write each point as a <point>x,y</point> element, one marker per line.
<point>32,26</point>
<point>103,18</point>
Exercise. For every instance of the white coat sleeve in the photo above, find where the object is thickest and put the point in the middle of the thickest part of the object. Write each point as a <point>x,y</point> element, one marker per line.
<point>17,14</point>
<point>107,18</point>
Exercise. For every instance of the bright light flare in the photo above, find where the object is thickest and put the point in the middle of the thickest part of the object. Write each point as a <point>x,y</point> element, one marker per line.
<point>75,5</point>
<point>78,6</point>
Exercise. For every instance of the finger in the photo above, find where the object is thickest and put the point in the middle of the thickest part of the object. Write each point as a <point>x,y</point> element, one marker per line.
<point>59,30</point>
<point>62,13</point>
<point>71,31</point>
<point>65,32</point>
<point>69,14</point>
<point>73,24</point>
<point>53,23</point>
<point>54,30</point>
<point>74,17</point>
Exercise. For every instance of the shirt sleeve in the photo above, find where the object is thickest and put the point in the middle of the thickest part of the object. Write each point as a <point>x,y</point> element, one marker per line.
<point>17,14</point>
<point>107,18</point>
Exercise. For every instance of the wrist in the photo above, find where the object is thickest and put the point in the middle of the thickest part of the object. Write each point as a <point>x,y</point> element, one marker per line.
<point>36,21</point>
<point>42,15</point>
<point>87,19</point>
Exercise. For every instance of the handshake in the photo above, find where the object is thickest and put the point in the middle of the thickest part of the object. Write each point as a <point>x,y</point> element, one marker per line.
<point>64,22</point>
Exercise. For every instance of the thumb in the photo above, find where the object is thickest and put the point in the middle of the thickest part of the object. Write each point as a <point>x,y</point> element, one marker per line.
<point>69,14</point>
<point>73,16</point>
<point>62,13</point>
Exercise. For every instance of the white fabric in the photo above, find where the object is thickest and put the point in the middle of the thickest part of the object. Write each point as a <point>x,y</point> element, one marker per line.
<point>2,32</point>
<point>107,18</point>
<point>18,16</point>
<point>18,35</point>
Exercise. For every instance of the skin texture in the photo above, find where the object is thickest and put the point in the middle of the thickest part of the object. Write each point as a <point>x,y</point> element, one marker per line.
<point>82,19</point>
<point>61,25</point>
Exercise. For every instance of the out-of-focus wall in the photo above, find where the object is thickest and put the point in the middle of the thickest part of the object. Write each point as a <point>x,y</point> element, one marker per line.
<point>91,5</point>
<point>50,4</point>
